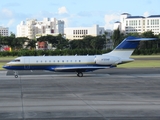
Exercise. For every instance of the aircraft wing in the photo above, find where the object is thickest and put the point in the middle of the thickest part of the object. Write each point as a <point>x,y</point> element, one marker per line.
<point>80,68</point>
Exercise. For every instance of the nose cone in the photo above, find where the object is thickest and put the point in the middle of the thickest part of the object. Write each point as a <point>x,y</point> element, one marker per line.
<point>6,66</point>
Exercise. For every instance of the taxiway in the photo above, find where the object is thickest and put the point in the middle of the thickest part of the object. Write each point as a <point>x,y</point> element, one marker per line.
<point>111,94</point>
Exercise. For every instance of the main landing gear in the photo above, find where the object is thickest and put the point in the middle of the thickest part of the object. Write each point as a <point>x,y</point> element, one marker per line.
<point>79,74</point>
<point>15,74</point>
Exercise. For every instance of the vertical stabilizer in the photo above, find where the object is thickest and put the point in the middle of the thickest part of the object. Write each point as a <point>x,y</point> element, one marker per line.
<point>127,46</point>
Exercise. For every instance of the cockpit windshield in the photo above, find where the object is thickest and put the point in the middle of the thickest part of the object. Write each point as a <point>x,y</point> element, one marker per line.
<point>16,60</point>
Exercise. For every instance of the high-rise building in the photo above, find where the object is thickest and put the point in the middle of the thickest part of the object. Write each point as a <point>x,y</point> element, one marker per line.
<point>33,28</point>
<point>139,24</point>
<point>4,31</point>
<point>80,32</point>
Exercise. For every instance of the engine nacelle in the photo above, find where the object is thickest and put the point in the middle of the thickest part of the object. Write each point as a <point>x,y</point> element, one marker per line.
<point>106,60</point>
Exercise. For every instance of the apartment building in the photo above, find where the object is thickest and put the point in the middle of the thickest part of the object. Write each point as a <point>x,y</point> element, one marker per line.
<point>33,28</point>
<point>80,32</point>
<point>4,31</point>
<point>140,24</point>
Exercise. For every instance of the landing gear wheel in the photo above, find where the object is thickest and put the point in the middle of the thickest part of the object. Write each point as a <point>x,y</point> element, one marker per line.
<point>16,76</point>
<point>80,74</point>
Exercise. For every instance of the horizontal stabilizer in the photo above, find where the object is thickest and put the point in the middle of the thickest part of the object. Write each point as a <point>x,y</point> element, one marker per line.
<point>139,39</point>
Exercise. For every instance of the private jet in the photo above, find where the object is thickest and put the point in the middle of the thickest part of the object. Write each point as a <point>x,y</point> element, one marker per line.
<point>79,64</point>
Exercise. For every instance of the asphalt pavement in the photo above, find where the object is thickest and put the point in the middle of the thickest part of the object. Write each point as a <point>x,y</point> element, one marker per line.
<point>110,94</point>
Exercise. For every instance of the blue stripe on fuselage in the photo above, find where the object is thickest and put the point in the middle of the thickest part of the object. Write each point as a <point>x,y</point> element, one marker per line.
<point>50,67</point>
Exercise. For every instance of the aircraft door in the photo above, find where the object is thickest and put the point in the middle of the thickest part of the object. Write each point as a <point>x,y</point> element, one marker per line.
<point>26,63</point>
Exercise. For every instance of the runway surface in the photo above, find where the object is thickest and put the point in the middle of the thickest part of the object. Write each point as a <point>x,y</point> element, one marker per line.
<point>111,94</point>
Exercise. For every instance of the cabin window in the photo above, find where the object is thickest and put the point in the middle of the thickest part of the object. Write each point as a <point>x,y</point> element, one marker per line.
<point>41,61</point>
<point>75,60</point>
<point>71,60</point>
<point>58,60</point>
<point>79,60</point>
<point>53,60</point>
<point>16,60</point>
<point>50,61</point>
<point>62,60</point>
<point>37,61</point>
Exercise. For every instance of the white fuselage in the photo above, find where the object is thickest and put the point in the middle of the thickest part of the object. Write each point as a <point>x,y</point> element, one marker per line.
<point>52,63</point>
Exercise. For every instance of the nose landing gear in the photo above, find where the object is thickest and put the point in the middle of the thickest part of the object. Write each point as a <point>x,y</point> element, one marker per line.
<point>15,74</point>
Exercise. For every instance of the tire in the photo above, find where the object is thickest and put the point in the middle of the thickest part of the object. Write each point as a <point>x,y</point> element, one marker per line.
<point>16,76</point>
<point>80,74</point>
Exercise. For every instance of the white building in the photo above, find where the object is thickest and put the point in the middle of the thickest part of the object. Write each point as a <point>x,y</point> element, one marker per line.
<point>33,28</point>
<point>80,32</point>
<point>139,24</point>
<point>4,31</point>
<point>109,42</point>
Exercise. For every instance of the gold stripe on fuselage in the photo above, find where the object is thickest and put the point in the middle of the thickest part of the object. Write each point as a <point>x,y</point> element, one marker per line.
<point>51,64</point>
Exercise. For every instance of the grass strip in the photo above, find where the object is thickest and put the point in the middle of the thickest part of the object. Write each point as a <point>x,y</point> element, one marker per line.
<point>7,58</point>
<point>141,64</point>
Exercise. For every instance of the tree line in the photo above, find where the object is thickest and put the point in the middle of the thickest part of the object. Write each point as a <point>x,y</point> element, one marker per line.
<point>58,42</point>
<point>22,46</point>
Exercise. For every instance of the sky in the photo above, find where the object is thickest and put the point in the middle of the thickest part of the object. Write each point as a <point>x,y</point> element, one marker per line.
<point>75,13</point>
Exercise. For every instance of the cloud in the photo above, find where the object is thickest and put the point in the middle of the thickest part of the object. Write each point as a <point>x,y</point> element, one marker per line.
<point>146,14</point>
<point>6,13</point>
<point>10,23</point>
<point>62,10</point>
<point>110,19</point>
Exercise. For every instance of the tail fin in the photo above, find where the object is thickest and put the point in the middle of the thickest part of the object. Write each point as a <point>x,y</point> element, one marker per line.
<point>127,46</point>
